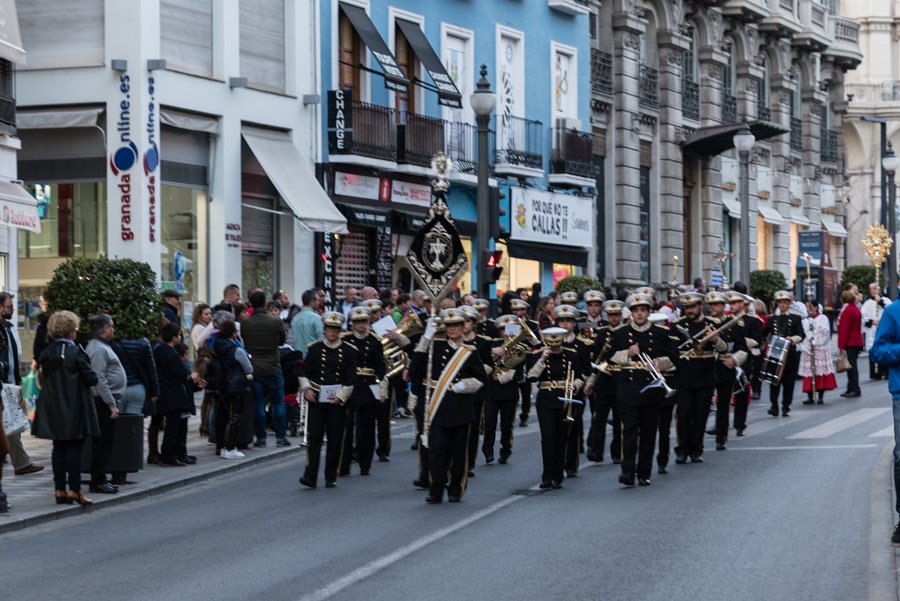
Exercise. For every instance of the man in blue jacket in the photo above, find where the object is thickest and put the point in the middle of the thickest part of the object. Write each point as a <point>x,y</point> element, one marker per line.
<point>886,352</point>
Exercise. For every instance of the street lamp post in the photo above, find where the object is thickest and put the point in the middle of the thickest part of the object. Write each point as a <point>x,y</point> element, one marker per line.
<point>890,162</point>
<point>482,101</point>
<point>743,141</point>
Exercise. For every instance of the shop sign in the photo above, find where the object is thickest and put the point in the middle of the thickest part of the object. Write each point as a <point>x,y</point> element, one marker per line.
<point>325,268</point>
<point>815,244</point>
<point>20,215</point>
<point>340,121</point>
<point>151,158</point>
<point>412,194</point>
<point>384,257</point>
<point>560,219</point>
<point>123,159</point>
<point>357,186</point>
<point>233,235</point>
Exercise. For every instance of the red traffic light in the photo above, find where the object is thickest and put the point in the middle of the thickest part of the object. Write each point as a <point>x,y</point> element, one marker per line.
<point>494,257</point>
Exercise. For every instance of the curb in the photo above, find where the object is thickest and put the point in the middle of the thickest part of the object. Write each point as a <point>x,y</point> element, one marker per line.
<point>15,525</point>
<point>883,555</point>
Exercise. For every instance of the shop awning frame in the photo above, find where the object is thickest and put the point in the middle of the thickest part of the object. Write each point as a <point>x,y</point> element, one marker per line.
<point>547,254</point>
<point>18,208</point>
<point>58,118</point>
<point>394,77</point>
<point>295,182</point>
<point>795,216</point>
<point>448,93</point>
<point>188,121</point>
<point>834,228</point>
<point>771,216</point>
<point>716,139</point>
<point>733,207</point>
<point>10,35</point>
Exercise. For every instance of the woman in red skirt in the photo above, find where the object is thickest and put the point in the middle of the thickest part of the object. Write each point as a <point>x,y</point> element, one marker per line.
<point>815,358</point>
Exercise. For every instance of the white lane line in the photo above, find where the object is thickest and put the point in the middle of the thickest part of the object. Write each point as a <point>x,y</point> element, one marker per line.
<point>812,447</point>
<point>764,424</point>
<point>833,426</point>
<point>885,433</point>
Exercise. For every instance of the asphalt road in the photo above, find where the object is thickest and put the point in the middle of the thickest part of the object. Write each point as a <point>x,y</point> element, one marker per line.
<point>783,514</point>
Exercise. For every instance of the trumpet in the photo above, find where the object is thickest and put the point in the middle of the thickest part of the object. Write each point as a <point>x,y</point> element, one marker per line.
<point>697,342</point>
<point>569,390</point>
<point>658,380</point>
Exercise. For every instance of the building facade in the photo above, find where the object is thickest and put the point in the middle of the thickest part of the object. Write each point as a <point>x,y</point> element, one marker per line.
<point>396,80</point>
<point>671,83</point>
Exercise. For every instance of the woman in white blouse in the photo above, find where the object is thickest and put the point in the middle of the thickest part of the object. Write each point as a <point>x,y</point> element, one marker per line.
<point>816,366</point>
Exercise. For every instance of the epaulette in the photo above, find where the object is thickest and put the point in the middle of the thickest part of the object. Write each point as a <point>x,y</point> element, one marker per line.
<point>584,340</point>
<point>571,349</point>
<point>620,326</point>
<point>661,327</point>
<point>347,333</point>
<point>713,320</point>
<point>486,337</point>
<point>468,346</point>
<point>309,344</point>
<point>351,345</point>
<point>680,319</point>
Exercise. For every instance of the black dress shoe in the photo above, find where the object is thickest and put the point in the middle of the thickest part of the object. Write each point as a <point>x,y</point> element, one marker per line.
<point>626,480</point>
<point>616,461</point>
<point>330,485</point>
<point>309,483</point>
<point>420,483</point>
<point>720,446</point>
<point>556,484</point>
<point>454,498</point>
<point>363,471</point>
<point>846,393</point>
<point>696,458</point>
<point>106,488</point>
<point>852,395</point>
<point>176,463</point>
<point>489,459</point>
<point>503,459</point>
<point>344,472</point>
<point>433,500</point>
<point>384,458</point>
<point>663,470</point>
<point>680,458</point>
<point>820,402</point>
<point>785,412</point>
<point>740,431</point>
<point>643,481</point>
<point>545,484</point>
<point>470,474</point>
<point>711,431</point>
<point>594,457</point>
<point>773,411</point>
<point>808,402</point>
<point>523,423</point>
<point>415,445</point>
<point>571,474</point>
<point>188,460</point>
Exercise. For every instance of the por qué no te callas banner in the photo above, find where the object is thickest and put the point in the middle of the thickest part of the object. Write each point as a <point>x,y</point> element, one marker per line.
<point>539,216</point>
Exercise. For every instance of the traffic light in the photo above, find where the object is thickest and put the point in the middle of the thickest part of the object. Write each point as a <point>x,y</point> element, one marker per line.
<point>493,265</point>
<point>496,210</point>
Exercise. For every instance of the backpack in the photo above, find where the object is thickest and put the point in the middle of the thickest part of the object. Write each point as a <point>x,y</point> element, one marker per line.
<point>209,367</point>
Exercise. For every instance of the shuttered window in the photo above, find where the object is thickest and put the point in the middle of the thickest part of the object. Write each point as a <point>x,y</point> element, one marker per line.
<point>62,33</point>
<point>262,44</point>
<point>257,227</point>
<point>353,262</point>
<point>186,35</point>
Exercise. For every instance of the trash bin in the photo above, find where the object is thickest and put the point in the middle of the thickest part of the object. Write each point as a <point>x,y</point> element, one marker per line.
<point>128,446</point>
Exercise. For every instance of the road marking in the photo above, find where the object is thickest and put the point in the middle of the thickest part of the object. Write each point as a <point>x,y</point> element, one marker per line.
<point>764,425</point>
<point>885,433</point>
<point>813,447</point>
<point>838,424</point>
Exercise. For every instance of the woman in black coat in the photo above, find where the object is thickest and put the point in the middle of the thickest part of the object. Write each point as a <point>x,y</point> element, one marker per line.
<point>65,412</point>
<point>174,378</point>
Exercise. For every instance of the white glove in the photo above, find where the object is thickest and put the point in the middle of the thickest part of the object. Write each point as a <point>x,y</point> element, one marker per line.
<point>459,387</point>
<point>430,329</point>
<point>796,339</point>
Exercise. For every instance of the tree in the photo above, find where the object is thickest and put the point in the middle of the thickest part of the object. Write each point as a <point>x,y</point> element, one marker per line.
<point>577,283</point>
<point>123,288</point>
<point>862,276</point>
<point>764,283</point>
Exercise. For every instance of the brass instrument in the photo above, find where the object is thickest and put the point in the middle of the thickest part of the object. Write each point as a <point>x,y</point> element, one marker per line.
<point>658,380</point>
<point>698,344</point>
<point>516,348</point>
<point>395,358</point>
<point>568,392</point>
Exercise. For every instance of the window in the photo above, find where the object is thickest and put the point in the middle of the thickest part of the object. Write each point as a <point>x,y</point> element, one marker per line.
<point>644,240</point>
<point>564,81</point>
<point>350,55</point>
<point>762,93</point>
<point>62,33</point>
<point>262,44</point>
<point>406,58</point>
<point>183,263</point>
<point>689,58</point>
<point>763,239</point>
<point>74,226</point>
<point>186,35</point>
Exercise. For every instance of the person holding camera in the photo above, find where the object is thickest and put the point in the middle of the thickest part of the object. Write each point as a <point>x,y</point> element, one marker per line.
<point>872,310</point>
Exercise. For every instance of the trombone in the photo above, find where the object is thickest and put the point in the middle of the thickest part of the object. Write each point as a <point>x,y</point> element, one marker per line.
<point>658,380</point>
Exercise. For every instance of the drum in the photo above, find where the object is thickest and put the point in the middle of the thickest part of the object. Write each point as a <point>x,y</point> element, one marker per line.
<point>776,358</point>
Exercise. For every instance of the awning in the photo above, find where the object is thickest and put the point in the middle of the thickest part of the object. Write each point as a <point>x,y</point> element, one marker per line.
<point>547,254</point>
<point>733,207</point>
<point>834,228</point>
<point>57,118</point>
<point>296,184</point>
<point>394,77</point>
<point>770,215</point>
<point>365,216</point>
<point>448,94</point>
<point>10,38</point>
<point>710,141</point>
<point>797,216</point>
<point>18,208</point>
<point>189,121</point>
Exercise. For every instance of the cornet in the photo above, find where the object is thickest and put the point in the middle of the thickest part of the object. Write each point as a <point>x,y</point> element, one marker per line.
<point>658,380</point>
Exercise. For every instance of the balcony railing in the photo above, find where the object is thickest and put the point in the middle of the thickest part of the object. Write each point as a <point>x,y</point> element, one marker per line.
<point>763,113</point>
<point>573,152</point>
<point>729,108</point>
<point>796,134</point>
<point>419,139</point>
<point>648,88</point>
<point>374,131</point>
<point>830,150</point>
<point>601,72</point>
<point>519,142</point>
<point>7,93</point>
<point>690,99</point>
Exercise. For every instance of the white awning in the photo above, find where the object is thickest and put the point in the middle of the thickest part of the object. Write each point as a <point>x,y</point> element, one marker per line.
<point>10,36</point>
<point>294,181</point>
<point>18,208</point>
<point>770,215</point>
<point>191,121</point>
<point>733,207</point>
<point>834,228</point>
<point>57,118</point>
<point>797,216</point>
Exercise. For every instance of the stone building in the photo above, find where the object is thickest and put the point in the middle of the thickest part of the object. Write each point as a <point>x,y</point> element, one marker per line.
<point>671,82</point>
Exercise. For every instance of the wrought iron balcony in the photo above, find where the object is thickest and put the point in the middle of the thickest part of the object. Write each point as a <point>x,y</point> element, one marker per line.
<point>830,149</point>
<point>374,133</point>
<point>419,139</point>
<point>519,143</point>
<point>648,88</point>
<point>601,72</point>
<point>573,152</point>
<point>763,113</point>
<point>690,99</point>
<point>796,134</point>
<point>729,108</point>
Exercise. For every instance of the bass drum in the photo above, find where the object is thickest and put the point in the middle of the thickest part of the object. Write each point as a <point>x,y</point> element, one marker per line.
<point>776,358</point>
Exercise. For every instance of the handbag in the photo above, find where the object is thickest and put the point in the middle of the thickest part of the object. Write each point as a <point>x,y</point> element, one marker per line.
<point>842,363</point>
<point>14,419</point>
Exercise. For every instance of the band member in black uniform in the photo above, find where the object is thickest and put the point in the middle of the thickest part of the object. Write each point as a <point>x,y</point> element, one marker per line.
<point>453,373</point>
<point>568,298</point>
<point>566,318</point>
<point>696,377</point>
<point>642,350</point>
<point>382,410</point>
<point>753,337</point>
<point>790,326</point>
<point>602,391</point>
<point>370,389</point>
<point>417,398</point>
<point>503,391</point>
<point>555,369</point>
<point>727,363</point>
<point>520,309</point>
<point>330,363</point>
<point>485,326</point>
<point>483,347</point>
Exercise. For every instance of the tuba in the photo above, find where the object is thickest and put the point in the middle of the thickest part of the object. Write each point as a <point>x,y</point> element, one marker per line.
<point>395,358</point>
<point>516,348</point>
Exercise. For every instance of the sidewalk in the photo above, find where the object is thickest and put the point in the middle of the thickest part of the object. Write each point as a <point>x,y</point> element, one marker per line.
<point>31,497</point>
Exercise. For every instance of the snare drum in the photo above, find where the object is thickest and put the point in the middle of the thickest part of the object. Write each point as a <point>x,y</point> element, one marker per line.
<point>775,361</point>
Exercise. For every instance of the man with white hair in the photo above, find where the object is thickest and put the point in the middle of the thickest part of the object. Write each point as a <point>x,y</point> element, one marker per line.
<point>872,310</point>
